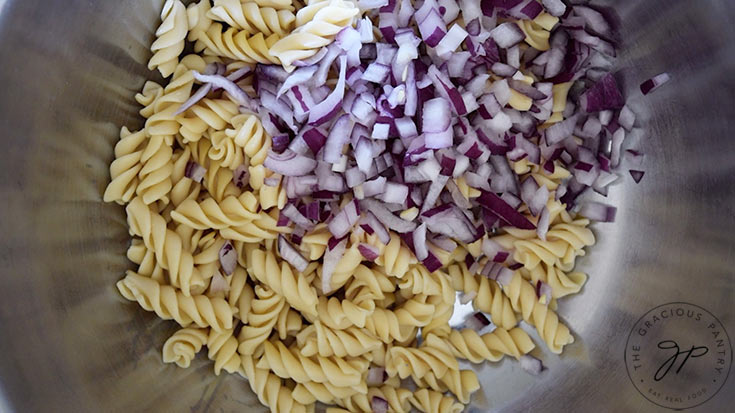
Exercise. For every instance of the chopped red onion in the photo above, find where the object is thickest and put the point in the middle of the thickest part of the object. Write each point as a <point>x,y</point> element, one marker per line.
<point>230,87</point>
<point>289,163</point>
<point>603,95</point>
<point>331,259</point>
<point>293,214</point>
<point>556,8</point>
<point>477,321</point>
<point>507,35</point>
<point>218,284</point>
<point>376,376</point>
<point>531,364</point>
<point>228,258</point>
<point>466,298</point>
<point>343,221</point>
<point>194,99</point>
<point>328,108</point>
<point>241,176</point>
<point>637,175</point>
<point>195,172</point>
<point>291,254</point>
<point>379,405</point>
<point>370,252</point>
<point>386,217</point>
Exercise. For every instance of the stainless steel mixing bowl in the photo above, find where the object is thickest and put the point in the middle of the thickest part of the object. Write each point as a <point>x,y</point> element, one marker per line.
<point>69,342</point>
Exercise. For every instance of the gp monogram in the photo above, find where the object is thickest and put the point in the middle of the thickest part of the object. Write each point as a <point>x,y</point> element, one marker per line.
<point>678,355</point>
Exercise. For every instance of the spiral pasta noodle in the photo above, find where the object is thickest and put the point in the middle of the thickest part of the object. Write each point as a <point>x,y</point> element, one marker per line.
<point>170,304</point>
<point>476,348</point>
<point>263,266</point>
<point>126,166</point>
<point>524,300</point>
<point>289,363</point>
<point>489,297</point>
<point>231,212</point>
<point>429,401</point>
<point>222,348</point>
<point>399,400</point>
<point>167,245</point>
<point>247,133</point>
<point>317,24</point>
<point>183,345</point>
<point>462,383</point>
<point>324,341</point>
<point>435,358</point>
<point>268,311</point>
<point>170,38</point>
<point>239,45</point>
<point>270,389</point>
<point>253,18</point>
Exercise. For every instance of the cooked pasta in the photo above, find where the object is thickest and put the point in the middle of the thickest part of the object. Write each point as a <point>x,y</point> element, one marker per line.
<point>170,38</point>
<point>489,297</point>
<point>239,45</point>
<point>263,266</point>
<point>289,363</point>
<point>126,166</point>
<point>429,401</point>
<point>266,312</point>
<point>399,400</point>
<point>183,345</point>
<point>435,357</point>
<point>324,341</point>
<point>247,133</point>
<point>222,348</point>
<point>252,17</point>
<point>167,245</point>
<point>270,389</point>
<point>317,24</point>
<point>476,348</point>
<point>525,301</point>
<point>170,304</point>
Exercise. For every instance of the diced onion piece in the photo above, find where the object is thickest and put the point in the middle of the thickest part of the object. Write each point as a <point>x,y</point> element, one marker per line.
<point>228,258</point>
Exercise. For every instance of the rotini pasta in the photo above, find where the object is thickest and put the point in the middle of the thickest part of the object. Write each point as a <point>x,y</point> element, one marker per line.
<point>252,18</point>
<point>398,400</point>
<point>324,341</point>
<point>222,348</point>
<point>525,301</point>
<point>263,266</point>
<point>289,363</point>
<point>170,304</point>
<point>247,133</point>
<point>170,38</point>
<point>239,45</point>
<point>476,348</point>
<point>167,245</point>
<point>126,166</point>
<point>267,310</point>
<point>489,297</point>
<point>429,401</point>
<point>183,345</point>
<point>316,24</point>
<point>270,389</point>
<point>435,357</point>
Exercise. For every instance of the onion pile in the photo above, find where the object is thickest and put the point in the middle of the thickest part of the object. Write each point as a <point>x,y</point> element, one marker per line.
<point>375,130</point>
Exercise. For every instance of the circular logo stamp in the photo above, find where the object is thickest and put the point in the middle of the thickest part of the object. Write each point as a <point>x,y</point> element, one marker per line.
<point>678,355</point>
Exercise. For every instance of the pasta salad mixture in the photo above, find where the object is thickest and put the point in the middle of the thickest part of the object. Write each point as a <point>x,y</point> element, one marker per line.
<point>317,184</point>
